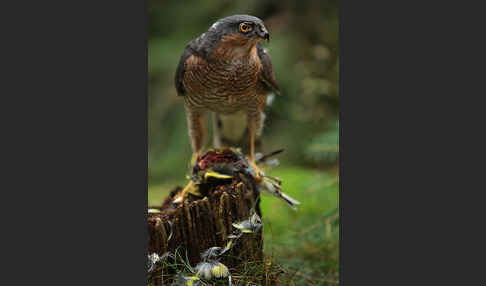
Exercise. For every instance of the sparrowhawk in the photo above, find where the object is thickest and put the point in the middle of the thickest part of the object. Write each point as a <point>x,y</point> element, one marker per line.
<point>227,71</point>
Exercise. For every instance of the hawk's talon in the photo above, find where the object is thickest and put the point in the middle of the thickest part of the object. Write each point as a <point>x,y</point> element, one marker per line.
<point>180,197</point>
<point>258,173</point>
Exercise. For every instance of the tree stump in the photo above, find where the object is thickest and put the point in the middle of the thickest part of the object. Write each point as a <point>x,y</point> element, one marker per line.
<point>204,222</point>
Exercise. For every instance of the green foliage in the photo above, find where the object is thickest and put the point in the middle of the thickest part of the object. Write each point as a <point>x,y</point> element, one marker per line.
<point>325,147</point>
<point>306,242</point>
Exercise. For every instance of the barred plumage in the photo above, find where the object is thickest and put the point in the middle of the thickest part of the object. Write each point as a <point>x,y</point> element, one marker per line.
<point>223,86</point>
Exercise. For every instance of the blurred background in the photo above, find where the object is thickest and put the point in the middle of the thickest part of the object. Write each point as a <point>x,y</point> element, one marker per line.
<point>303,120</point>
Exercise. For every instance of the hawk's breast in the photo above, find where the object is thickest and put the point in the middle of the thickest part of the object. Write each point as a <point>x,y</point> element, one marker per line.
<point>224,86</point>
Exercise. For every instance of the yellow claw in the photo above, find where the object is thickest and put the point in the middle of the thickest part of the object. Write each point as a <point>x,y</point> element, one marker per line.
<point>179,198</point>
<point>195,191</point>
<point>257,171</point>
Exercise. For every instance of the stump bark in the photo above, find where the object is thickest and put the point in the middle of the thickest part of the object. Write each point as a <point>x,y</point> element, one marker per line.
<point>201,223</point>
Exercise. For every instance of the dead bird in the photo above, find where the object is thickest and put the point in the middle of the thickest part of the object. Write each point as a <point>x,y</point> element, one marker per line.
<point>221,166</point>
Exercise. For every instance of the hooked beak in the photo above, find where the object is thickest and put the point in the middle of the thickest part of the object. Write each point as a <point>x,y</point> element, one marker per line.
<point>266,36</point>
<point>263,33</point>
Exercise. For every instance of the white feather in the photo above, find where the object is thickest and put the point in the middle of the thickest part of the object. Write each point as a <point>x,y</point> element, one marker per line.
<point>233,125</point>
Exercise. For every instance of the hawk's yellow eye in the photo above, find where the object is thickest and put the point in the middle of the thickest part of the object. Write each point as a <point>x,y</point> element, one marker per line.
<point>244,27</point>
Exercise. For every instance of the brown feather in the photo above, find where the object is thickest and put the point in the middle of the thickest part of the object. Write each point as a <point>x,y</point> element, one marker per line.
<point>227,83</point>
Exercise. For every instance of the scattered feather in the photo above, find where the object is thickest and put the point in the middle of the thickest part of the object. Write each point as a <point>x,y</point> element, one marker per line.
<point>211,253</point>
<point>251,225</point>
<point>154,258</point>
<point>227,247</point>
<point>211,269</point>
<point>220,270</point>
<point>170,233</point>
<point>273,188</point>
<point>182,280</point>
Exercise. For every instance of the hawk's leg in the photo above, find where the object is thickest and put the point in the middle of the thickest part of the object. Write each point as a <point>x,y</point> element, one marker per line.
<point>217,143</point>
<point>255,127</point>
<point>197,132</point>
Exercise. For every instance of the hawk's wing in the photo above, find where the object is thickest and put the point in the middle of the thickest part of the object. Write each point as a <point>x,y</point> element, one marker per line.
<point>267,75</point>
<point>200,48</point>
<point>181,68</point>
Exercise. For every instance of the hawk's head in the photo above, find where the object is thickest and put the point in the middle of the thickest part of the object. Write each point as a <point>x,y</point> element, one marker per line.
<point>231,37</point>
<point>245,27</point>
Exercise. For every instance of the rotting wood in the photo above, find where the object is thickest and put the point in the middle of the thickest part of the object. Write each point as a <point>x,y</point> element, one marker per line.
<point>201,223</point>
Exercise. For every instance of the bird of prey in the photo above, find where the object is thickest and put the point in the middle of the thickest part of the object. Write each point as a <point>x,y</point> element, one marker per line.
<point>227,71</point>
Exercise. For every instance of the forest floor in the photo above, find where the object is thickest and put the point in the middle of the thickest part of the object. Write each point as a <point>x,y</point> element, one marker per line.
<point>304,244</point>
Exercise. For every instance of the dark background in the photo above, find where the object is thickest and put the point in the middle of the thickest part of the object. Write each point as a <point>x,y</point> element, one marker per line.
<point>73,134</point>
